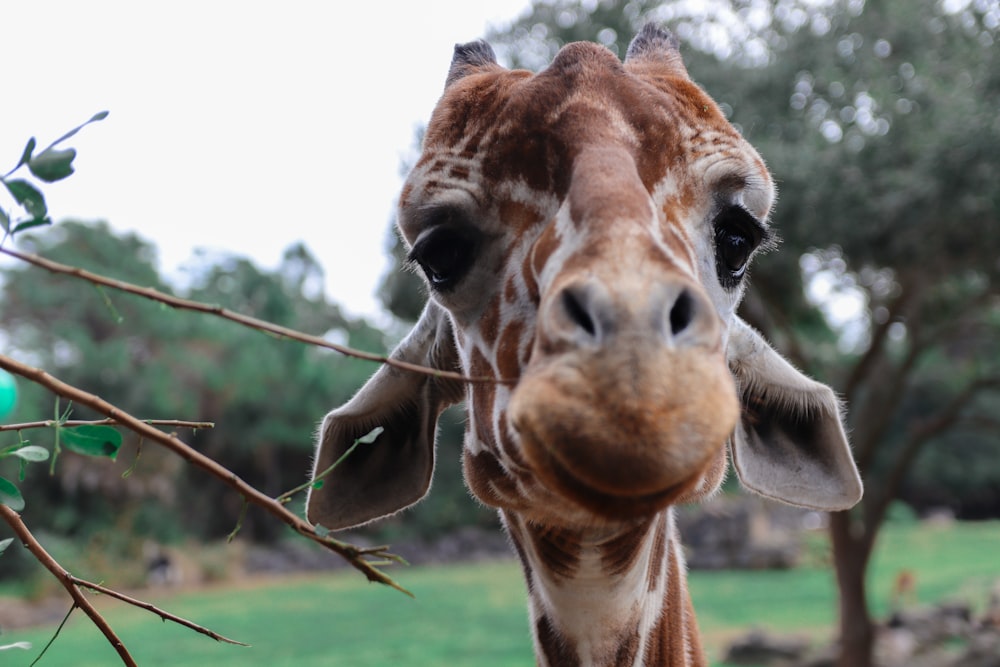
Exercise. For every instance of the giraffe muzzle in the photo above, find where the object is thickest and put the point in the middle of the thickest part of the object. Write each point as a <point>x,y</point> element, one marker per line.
<point>624,408</point>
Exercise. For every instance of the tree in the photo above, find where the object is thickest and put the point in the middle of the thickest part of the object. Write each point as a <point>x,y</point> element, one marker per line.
<point>902,182</point>
<point>178,363</point>
<point>879,121</point>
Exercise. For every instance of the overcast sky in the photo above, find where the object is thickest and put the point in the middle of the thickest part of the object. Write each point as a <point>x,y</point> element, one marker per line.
<point>235,126</point>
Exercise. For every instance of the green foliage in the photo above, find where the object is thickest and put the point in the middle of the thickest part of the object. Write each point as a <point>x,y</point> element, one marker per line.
<point>10,495</point>
<point>87,439</point>
<point>25,453</point>
<point>265,395</point>
<point>50,165</point>
<point>92,440</point>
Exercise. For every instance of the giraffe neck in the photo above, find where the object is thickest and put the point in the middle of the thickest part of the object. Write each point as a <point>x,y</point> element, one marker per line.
<point>608,597</point>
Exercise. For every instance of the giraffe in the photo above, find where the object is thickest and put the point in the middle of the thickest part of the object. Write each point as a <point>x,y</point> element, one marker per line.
<point>584,233</point>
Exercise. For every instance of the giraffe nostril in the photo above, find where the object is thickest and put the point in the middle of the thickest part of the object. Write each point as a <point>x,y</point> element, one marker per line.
<point>681,313</point>
<point>574,305</point>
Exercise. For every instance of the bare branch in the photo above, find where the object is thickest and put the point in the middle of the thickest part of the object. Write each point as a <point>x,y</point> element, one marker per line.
<point>349,552</point>
<point>165,615</point>
<point>175,423</point>
<point>245,320</point>
<point>13,520</point>
<point>898,310</point>
<point>876,413</point>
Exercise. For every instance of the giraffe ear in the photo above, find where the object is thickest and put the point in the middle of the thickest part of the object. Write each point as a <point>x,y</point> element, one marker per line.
<point>469,57</point>
<point>394,471</point>
<point>790,443</point>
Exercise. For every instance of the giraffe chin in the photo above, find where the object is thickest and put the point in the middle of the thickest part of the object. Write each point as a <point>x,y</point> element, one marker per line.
<point>624,447</point>
<point>610,506</point>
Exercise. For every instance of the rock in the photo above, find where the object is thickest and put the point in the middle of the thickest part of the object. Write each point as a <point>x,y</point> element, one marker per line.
<point>982,650</point>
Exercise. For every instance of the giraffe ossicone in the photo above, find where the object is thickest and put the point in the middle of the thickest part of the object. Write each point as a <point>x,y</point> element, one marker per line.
<point>585,234</point>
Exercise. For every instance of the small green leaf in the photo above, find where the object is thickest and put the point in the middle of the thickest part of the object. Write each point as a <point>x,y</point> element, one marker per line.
<point>6,543</point>
<point>4,221</point>
<point>52,164</point>
<point>32,453</point>
<point>28,196</point>
<point>318,484</point>
<point>371,436</point>
<point>92,440</point>
<point>10,496</point>
<point>28,224</point>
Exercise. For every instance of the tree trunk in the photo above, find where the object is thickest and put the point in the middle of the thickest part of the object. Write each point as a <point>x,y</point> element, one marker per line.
<point>850,554</point>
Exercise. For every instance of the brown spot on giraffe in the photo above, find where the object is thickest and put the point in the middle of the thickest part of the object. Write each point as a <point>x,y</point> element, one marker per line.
<point>585,234</point>
<point>558,549</point>
<point>619,554</point>
<point>554,647</point>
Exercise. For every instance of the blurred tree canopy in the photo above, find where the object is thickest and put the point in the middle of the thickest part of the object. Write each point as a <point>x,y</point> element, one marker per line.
<point>264,395</point>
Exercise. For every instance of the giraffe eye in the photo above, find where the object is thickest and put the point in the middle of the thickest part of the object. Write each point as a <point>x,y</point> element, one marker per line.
<point>445,255</point>
<point>737,235</point>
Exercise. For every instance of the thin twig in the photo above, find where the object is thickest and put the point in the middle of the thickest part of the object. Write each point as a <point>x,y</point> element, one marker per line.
<point>349,552</point>
<point>245,320</point>
<point>55,635</point>
<point>165,615</point>
<point>175,423</point>
<point>13,520</point>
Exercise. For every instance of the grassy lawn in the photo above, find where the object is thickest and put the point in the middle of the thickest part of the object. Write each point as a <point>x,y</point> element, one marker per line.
<point>476,614</point>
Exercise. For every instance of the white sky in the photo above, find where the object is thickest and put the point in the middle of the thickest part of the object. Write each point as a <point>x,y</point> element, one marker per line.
<point>235,126</point>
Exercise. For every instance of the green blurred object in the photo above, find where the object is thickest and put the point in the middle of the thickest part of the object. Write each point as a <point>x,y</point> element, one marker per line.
<point>8,394</point>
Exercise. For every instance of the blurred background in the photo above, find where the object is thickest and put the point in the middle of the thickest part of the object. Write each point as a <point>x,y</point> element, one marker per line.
<point>880,121</point>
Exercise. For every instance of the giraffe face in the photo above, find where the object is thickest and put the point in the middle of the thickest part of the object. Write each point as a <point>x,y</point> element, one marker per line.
<point>585,233</point>
<point>588,230</point>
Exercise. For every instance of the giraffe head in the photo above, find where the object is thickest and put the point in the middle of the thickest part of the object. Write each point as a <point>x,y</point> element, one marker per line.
<point>585,234</point>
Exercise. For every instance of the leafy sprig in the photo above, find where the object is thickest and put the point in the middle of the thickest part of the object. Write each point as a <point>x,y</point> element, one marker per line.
<point>49,165</point>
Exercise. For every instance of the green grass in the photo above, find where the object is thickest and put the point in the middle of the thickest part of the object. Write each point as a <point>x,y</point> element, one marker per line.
<point>468,615</point>
<point>476,614</point>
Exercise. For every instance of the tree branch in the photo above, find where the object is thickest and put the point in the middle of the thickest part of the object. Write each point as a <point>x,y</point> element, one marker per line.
<point>245,320</point>
<point>882,406</point>
<point>66,579</point>
<point>919,435</point>
<point>176,423</point>
<point>903,309</point>
<point>352,554</point>
<point>165,615</point>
